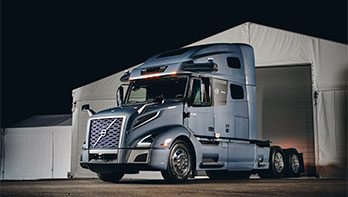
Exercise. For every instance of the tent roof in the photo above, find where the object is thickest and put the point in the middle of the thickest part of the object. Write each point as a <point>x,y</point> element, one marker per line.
<point>45,120</point>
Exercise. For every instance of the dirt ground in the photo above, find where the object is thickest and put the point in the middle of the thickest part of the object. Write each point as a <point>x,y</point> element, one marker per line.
<point>197,187</point>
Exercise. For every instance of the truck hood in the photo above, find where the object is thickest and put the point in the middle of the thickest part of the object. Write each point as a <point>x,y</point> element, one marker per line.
<point>130,110</point>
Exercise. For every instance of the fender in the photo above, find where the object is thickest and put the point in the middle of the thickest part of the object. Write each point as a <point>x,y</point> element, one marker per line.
<point>162,143</point>
<point>167,135</point>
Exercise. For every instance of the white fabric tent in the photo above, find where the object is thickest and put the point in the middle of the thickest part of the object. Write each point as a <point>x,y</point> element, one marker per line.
<point>37,148</point>
<point>273,47</point>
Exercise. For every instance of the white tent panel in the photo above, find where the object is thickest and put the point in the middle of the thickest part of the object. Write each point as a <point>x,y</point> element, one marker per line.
<point>37,152</point>
<point>239,34</point>
<point>104,88</point>
<point>61,151</point>
<point>332,133</point>
<point>332,66</point>
<point>28,154</point>
<point>99,89</point>
<point>278,47</point>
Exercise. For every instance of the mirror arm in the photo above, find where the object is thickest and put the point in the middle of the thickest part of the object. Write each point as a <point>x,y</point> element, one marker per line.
<point>87,109</point>
<point>90,112</point>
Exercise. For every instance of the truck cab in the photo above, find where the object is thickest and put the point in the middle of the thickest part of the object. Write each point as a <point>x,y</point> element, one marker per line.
<point>185,111</point>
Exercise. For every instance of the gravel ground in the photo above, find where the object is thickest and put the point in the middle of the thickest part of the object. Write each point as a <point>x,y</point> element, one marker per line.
<point>197,187</point>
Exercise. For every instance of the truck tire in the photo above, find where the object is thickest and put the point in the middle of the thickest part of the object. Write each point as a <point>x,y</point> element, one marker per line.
<point>292,162</point>
<point>179,163</point>
<point>111,177</point>
<point>227,175</point>
<point>277,165</point>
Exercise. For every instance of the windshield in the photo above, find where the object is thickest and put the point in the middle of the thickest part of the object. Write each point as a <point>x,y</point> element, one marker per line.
<point>147,90</point>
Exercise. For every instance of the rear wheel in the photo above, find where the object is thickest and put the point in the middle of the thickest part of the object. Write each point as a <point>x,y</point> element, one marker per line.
<point>110,177</point>
<point>293,163</point>
<point>179,163</point>
<point>277,164</point>
<point>227,175</point>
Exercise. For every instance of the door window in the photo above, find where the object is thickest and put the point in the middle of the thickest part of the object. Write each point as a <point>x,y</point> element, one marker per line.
<point>200,92</point>
<point>220,92</point>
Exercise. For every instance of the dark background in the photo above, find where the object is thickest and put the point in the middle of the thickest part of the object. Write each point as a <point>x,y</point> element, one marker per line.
<point>49,48</point>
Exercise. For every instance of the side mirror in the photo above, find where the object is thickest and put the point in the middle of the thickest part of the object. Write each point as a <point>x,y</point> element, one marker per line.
<point>125,76</point>
<point>87,108</point>
<point>119,95</point>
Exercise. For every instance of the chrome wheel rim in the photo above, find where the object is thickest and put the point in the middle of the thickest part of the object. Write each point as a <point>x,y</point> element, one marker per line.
<point>278,162</point>
<point>180,161</point>
<point>295,163</point>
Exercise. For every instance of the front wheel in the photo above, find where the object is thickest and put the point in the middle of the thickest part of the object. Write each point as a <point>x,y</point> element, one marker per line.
<point>110,177</point>
<point>179,163</point>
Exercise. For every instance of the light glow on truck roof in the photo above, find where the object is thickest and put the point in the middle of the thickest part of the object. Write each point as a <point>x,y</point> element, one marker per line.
<point>154,75</point>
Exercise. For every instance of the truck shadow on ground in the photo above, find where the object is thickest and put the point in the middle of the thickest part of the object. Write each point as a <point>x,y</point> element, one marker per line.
<point>191,181</point>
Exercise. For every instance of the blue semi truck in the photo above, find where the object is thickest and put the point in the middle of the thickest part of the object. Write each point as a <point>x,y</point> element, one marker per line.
<point>185,111</point>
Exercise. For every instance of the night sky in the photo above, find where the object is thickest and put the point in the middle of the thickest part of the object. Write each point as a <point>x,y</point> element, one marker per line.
<point>49,48</point>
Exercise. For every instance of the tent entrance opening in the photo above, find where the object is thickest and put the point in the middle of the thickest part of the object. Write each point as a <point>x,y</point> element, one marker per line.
<point>284,107</point>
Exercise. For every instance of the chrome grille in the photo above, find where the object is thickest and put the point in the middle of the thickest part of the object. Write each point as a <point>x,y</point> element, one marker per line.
<point>112,131</point>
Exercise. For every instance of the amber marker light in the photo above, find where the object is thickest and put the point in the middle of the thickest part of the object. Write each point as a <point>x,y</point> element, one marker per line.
<point>166,142</point>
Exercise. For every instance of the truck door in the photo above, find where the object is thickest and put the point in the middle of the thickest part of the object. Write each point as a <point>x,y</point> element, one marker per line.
<point>223,111</point>
<point>200,113</point>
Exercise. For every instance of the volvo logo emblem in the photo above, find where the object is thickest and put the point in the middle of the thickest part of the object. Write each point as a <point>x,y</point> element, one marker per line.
<point>103,132</point>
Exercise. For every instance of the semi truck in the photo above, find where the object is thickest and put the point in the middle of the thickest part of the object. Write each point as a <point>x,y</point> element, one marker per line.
<point>186,111</point>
